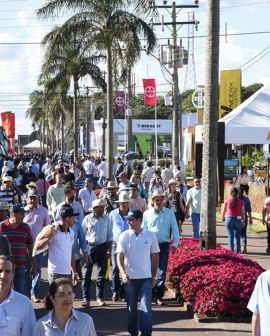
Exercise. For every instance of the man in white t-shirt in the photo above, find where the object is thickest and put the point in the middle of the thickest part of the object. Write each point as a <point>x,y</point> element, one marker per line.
<point>59,239</point>
<point>147,175</point>
<point>87,165</point>
<point>137,260</point>
<point>102,172</point>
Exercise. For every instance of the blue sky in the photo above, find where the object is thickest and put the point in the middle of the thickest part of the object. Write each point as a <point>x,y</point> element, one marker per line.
<point>20,63</point>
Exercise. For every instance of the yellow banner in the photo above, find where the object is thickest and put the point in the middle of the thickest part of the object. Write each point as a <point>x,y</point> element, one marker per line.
<point>229,91</point>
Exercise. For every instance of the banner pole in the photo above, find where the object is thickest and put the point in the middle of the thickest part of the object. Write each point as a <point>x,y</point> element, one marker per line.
<point>156,138</point>
<point>125,124</point>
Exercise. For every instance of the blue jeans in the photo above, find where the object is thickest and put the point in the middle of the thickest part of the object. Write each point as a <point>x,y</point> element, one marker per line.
<point>139,288</point>
<point>159,290</point>
<point>196,218</point>
<point>101,180</point>
<point>32,284</point>
<point>97,255</point>
<point>116,284</point>
<point>234,227</point>
<point>19,279</point>
<point>244,232</point>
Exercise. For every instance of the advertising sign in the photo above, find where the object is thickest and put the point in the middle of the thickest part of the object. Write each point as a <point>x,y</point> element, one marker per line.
<point>229,91</point>
<point>230,169</point>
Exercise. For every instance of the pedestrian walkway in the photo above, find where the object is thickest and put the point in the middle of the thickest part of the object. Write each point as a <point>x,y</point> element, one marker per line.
<point>171,319</point>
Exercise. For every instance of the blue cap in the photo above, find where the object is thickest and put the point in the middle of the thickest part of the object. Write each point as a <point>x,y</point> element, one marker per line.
<point>66,211</point>
<point>17,208</point>
<point>135,214</point>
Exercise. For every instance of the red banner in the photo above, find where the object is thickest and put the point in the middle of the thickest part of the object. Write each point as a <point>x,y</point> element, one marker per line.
<point>8,123</point>
<point>149,86</point>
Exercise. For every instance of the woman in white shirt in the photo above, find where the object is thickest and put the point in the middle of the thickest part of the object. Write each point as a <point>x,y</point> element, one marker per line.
<point>243,180</point>
<point>62,318</point>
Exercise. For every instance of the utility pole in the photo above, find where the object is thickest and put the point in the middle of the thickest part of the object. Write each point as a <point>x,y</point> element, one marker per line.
<point>177,143</point>
<point>177,112</point>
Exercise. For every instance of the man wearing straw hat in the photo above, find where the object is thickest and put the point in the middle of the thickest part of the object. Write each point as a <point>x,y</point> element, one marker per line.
<point>111,197</point>
<point>7,191</point>
<point>162,221</point>
<point>98,233</point>
<point>119,224</point>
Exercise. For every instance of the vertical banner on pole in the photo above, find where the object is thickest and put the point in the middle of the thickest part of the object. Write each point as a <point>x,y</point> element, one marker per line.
<point>8,124</point>
<point>229,91</point>
<point>149,86</point>
<point>120,102</point>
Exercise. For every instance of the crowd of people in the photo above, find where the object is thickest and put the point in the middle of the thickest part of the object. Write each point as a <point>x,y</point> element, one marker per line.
<point>78,218</point>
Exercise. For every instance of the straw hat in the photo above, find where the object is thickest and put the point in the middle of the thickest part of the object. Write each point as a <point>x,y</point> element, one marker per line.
<point>98,202</point>
<point>111,185</point>
<point>123,198</point>
<point>172,181</point>
<point>157,194</point>
<point>31,185</point>
<point>7,179</point>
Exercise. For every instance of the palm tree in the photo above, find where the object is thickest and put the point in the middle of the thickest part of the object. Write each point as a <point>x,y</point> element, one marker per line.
<point>36,112</point>
<point>67,61</point>
<point>104,25</point>
<point>209,165</point>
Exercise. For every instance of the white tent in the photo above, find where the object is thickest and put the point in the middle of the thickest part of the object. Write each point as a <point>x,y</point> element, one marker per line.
<point>249,123</point>
<point>34,145</point>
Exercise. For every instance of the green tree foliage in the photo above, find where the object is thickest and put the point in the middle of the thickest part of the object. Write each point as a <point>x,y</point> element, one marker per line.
<point>247,91</point>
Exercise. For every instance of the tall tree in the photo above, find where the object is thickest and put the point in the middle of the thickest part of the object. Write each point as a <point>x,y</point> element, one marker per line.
<point>209,164</point>
<point>104,25</point>
<point>65,63</point>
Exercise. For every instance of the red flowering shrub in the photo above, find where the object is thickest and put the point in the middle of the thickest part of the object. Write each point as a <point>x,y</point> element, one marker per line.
<point>217,282</point>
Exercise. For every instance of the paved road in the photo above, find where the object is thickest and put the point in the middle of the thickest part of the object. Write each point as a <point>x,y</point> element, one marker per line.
<point>170,319</point>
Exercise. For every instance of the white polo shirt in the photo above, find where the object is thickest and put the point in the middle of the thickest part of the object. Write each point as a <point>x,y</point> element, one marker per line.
<point>137,250</point>
<point>60,249</point>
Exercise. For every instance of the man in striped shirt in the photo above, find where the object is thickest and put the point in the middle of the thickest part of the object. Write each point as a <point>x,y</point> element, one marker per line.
<point>21,243</point>
<point>7,191</point>
<point>266,221</point>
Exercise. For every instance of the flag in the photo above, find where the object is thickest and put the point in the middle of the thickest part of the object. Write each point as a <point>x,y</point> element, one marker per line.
<point>149,86</point>
<point>120,103</point>
<point>229,91</point>
<point>8,123</point>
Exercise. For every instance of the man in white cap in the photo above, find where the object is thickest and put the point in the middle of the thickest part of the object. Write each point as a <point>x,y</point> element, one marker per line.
<point>162,221</point>
<point>59,239</point>
<point>119,224</point>
<point>98,233</point>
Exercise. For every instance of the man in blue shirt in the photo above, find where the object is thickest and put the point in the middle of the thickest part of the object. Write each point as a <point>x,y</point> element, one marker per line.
<point>162,221</point>
<point>248,218</point>
<point>119,224</point>
<point>259,304</point>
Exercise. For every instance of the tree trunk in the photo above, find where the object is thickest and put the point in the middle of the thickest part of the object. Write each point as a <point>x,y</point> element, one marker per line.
<point>209,164</point>
<point>129,116</point>
<point>62,134</point>
<point>109,135</point>
<point>75,118</point>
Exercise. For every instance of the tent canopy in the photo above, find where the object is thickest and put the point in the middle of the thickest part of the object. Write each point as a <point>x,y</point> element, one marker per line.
<point>249,123</point>
<point>36,144</point>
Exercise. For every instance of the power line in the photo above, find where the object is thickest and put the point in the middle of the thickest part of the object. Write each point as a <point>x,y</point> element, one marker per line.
<point>252,58</point>
<point>159,38</point>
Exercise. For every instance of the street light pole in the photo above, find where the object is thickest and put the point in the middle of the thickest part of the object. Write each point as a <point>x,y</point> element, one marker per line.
<point>176,116</point>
